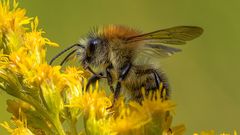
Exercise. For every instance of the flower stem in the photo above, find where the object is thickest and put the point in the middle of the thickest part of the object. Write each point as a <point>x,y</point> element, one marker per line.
<point>73,127</point>
<point>53,120</point>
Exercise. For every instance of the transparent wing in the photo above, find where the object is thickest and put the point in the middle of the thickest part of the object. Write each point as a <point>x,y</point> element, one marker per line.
<point>155,43</point>
<point>158,50</point>
<point>150,53</point>
<point>174,36</point>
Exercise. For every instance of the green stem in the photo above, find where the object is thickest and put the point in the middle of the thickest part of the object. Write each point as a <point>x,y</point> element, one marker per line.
<point>14,90</point>
<point>55,122</point>
<point>72,122</point>
<point>73,126</point>
<point>58,126</point>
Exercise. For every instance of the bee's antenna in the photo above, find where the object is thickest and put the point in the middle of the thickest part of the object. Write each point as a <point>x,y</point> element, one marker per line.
<point>69,54</point>
<point>70,47</point>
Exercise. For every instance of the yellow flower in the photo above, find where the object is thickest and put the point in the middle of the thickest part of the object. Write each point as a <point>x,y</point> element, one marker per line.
<point>20,130</point>
<point>11,26</point>
<point>46,89</point>
<point>32,52</point>
<point>20,124</point>
<point>12,19</point>
<point>130,120</point>
<point>153,116</point>
<point>94,99</point>
<point>22,58</point>
<point>52,100</point>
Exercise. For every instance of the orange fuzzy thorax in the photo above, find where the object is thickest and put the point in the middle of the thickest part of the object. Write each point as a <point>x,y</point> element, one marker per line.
<point>117,31</point>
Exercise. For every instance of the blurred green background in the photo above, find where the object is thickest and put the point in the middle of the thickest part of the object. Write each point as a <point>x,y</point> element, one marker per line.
<point>204,77</point>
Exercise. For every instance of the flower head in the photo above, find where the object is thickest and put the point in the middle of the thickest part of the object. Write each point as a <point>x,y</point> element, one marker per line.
<point>20,123</point>
<point>11,26</point>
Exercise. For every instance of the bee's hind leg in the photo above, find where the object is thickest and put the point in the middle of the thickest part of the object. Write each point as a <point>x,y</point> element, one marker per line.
<point>158,80</point>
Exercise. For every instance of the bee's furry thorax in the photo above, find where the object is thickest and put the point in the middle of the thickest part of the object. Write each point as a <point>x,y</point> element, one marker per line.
<point>113,31</point>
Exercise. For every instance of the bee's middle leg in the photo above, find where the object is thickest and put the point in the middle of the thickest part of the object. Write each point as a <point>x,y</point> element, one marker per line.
<point>122,75</point>
<point>109,78</point>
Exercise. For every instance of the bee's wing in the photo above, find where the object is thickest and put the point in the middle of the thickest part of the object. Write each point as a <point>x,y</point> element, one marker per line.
<point>173,36</point>
<point>154,43</point>
<point>158,50</point>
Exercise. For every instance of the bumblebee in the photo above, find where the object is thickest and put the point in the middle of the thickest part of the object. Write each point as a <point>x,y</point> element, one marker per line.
<point>125,54</point>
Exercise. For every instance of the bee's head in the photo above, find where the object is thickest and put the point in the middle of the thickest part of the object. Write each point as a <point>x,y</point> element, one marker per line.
<point>101,40</point>
<point>96,52</point>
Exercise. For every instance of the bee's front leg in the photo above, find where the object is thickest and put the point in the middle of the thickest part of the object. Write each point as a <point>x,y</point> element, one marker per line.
<point>93,79</point>
<point>122,75</point>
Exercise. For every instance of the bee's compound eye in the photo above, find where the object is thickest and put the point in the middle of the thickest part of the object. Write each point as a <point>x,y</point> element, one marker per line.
<point>94,42</point>
<point>92,46</point>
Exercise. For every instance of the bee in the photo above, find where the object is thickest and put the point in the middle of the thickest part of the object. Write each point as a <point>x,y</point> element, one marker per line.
<point>124,56</point>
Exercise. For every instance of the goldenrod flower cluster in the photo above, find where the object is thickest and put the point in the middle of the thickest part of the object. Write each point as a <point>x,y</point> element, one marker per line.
<point>49,100</point>
<point>52,100</point>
